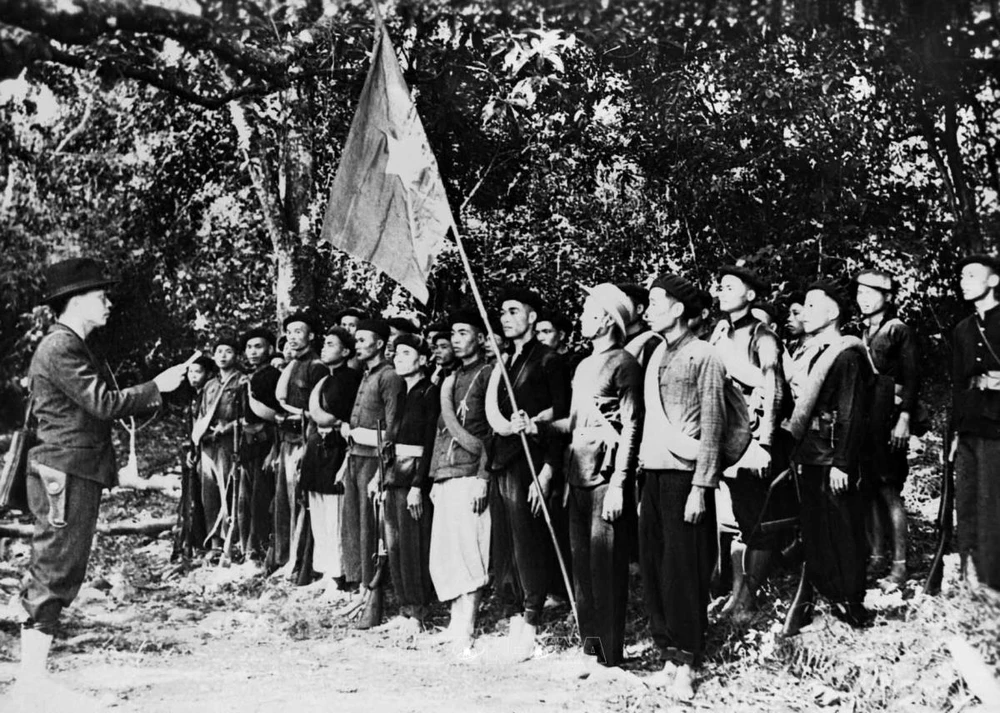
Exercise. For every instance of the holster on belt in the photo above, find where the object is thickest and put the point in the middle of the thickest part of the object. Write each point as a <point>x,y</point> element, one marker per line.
<point>54,482</point>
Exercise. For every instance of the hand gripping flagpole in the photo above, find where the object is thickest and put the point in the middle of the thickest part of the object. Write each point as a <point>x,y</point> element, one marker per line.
<point>524,439</point>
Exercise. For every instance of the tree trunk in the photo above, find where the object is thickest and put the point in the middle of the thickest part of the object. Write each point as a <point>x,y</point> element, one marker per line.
<point>149,527</point>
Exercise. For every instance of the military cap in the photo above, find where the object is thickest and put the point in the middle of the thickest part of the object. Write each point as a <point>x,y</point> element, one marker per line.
<point>522,295</point>
<point>378,327</point>
<point>258,333</point>
<point>414,341</point>
<point>681,289</point>
<point>750,278</point>
<point>981,259</point>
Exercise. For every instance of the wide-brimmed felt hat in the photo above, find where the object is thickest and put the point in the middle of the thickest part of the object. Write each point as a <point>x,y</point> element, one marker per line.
<point>75,276</point>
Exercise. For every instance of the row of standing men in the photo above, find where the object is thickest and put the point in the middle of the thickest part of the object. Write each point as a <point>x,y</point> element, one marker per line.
<point>627,444</point>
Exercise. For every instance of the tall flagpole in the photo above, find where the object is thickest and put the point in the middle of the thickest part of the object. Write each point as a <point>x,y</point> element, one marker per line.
<point>524,439</point>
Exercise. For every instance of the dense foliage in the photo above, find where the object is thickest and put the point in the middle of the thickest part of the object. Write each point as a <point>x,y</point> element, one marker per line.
<point>578,142</point>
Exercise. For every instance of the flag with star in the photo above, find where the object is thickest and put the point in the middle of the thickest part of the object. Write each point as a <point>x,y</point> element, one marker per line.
<point>387,202</point>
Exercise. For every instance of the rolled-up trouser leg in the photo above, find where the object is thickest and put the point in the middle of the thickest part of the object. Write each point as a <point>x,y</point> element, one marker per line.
<point>533,547</point>
<point>58,555</point>
<point>460,539</point>
<point>324,518</point>
<point>357,534</point>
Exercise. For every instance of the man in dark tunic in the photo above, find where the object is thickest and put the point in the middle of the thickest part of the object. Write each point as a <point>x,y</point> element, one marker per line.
<point>893,353</point>
<point>603,425</point>
<point>976,419</point>
<point>73,460</point>
<point>299,377</point>
<point>258,440</point>
<point>220,408</point>
<point>407,510</point>
<point>523,550</point>
<point>752,355</point>
<point>380,398</point>
<point>684,398</point>
<point>191,534</point>
<point>830,380</point>
<point>330,407</point>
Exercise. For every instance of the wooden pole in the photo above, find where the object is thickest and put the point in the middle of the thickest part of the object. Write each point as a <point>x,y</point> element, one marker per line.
<point>477,296</point>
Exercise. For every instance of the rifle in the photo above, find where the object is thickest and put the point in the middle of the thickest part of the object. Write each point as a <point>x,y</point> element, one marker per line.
<point>945,518</point>
<point>372,614</point>
<point>235,475</point>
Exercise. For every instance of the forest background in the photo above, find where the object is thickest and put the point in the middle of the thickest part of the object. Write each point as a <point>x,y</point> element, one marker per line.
<point>191,144</point>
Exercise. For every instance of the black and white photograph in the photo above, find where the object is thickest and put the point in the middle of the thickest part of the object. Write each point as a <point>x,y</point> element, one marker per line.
<point>504,356</point>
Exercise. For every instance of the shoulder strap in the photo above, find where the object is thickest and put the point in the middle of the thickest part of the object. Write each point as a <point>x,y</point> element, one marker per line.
<point>986,341</point>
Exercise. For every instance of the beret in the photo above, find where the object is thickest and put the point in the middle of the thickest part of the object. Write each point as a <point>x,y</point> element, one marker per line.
<point>227,340</point>
<point>981,259</point>
<point>467,316</point>
<point>258,333</point>
<point>680,289</point>
<point>834,291</point>
<point>522,295</point>
<point>413,341</point>
<point>303,317</point>
<point>378,327</point>
<point>750,278</point>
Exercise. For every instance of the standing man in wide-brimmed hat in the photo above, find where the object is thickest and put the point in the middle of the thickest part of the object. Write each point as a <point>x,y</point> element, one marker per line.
<point>75,404</point>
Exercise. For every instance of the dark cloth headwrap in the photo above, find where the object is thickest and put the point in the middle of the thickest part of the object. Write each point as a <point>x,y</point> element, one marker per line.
<point>258,333</point>
<point>522,295</point>
<point>681,289</point>
<point>467,316</point>
<point>414,341</point>
<point>305,318</point>
<point>750,278</point>
<point>378,327</point>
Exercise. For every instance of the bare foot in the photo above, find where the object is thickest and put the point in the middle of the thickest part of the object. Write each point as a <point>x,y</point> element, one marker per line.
<point>683,685</point>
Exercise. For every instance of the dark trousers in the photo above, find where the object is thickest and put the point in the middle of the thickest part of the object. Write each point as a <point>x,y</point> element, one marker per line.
<point>357,521</point>
<point>560,523</point>
<point>833,536</point>
<point>977,502</point>
<point>409,544</point>
<point>256,494</point>
<point>676,560</point>
<point>58,555</point>
<point>522,544</point>
<point>216,470</point>
<point>600,568</point>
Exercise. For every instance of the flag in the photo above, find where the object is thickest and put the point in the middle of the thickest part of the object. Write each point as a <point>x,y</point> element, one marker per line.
<point>387,203</point>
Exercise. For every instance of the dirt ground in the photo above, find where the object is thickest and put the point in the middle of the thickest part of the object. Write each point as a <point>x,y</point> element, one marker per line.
<point>148,636</point>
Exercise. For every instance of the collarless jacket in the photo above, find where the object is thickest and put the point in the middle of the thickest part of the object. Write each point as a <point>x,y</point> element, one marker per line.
<point>76,405</point>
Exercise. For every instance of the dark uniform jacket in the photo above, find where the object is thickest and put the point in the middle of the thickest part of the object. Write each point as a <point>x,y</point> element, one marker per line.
<point>975,411</point>
<point>540,382</point>
<point>417,427</point>
<point>76,405</point>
